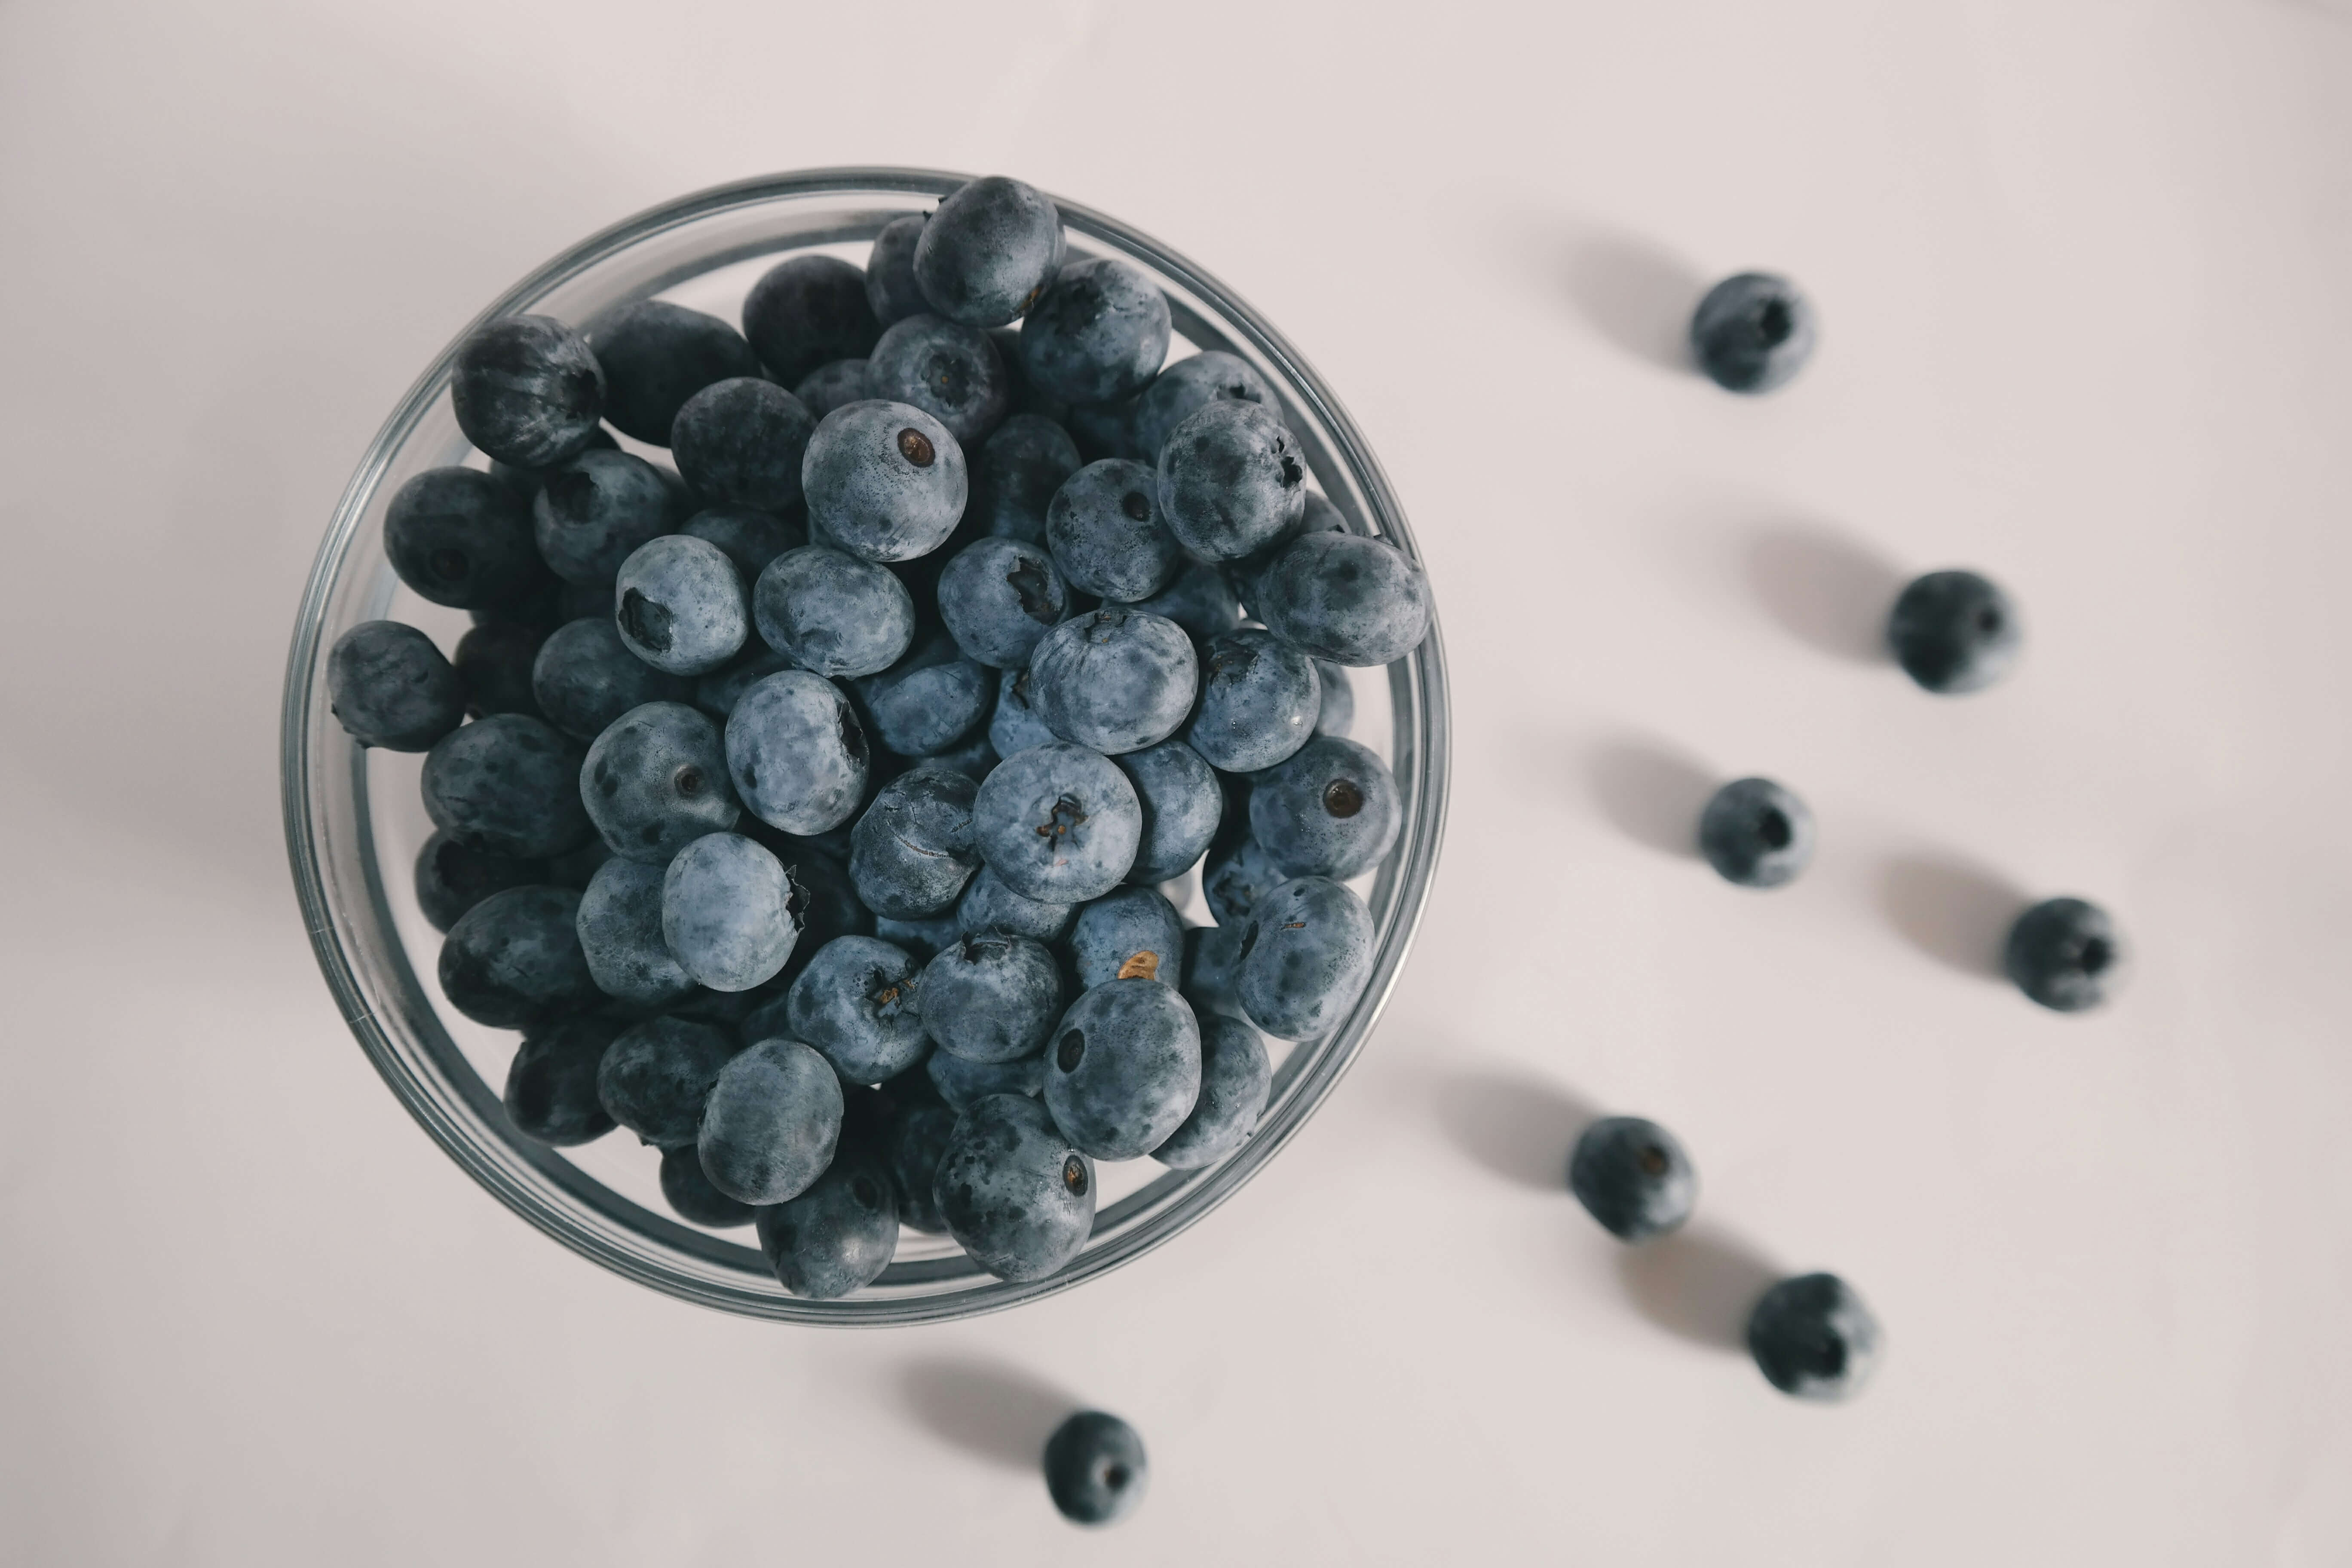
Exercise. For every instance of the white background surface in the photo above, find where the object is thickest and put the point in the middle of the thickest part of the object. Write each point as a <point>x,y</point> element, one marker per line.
<point>2083,272</point>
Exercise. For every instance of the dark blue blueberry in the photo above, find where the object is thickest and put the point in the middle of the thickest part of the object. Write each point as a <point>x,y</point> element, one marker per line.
<point>750,538</point>
<point>514,959</point>
<point>838,1235</point>
<point>657,1074</point>
<point>689,1192</point>
<point>833,613</point>
<point>1232,480</point>
<point>1318,516</point>
<point>2065,953</point>
<point>1199,600</point>
<point>1338,714</point>
<point>1259,701</point>
<point>582,600</point>
<point>1181,807</point>
<point>551,1094</point>
<point>831,387</point>
<point>657,355</point>
<point>928,700</point>
<point>539,606</point>
<point>1027,397</point>
<point>509,784</point>
<point>1115,680</point>
<point>1016,1195</point>
<point>655,780</point>
<point>1752,332</point>
<point>860,1003</point>
<point>1633,1177</point>
<point>1185,387</point>
<point>452,876</point>
<point>739,442</point>
<point>525,481</point>
<point>1103,430</point>
<point>575,868</point>
<point>680,606</point>
<point>884,481</point>
<point>1234,1081</point>
<point>527,391</point>
<point>585,676</point>
<point>796,753</point>
<point>1129,934</point>
<point>1331,810</point>
<point>949,371</point>
<point>1305,958</point>
<point>769,1123</point>
<point>925,939</point>
<point>717,692</point>
<point>1098,334</point>
<point>1094,1468</point>
<point>1057,822</point>
<point>963,1084</point>
<point>1755,833</point>
<point>916,1140</point>
<point>991,998</point>
<point>595,510</point>
<point>988,251</point>
<point>973,757</point>
<point>806,312</point>
<point>389,685</point>
<point>1123,1068</point>
<point>990,905</point>
<point>891,291</point>
<point>1014,474</point>
<point>1212,971</point>
<point>829,906</point>
<point>999,597</point>
<point>460,538</point>
<point>1811,1337</point>
<point>1954,632</point>
<point>1107,535</point>
<point>1341,596</point>
<point>730,911</point>
<point>1014,725</point>
<point>1236,876</point>
<point>621,936</point>
<point>912,851</point>
<point>494,662</point>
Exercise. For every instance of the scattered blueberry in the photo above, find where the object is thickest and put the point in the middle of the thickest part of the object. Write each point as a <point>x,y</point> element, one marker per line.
<point>1305,958</point>
<point>1105,529</point>
<point>1317,516</point>
<point>1189,384</point>
<point>973,757</point>
<point>2065,953</point>
<point>991,998</point>
<point>1234,1081</point>
<point>1181,807</point>
<point>739,442</point>
<point>999,597</point>
<point>1014,725</point>
<point>1231,481</point>
<point>840,1233</point>
<point>988,252</point>
<point>1102,429</point>
<point>751,538</point>
<point>1115,680</point>
<point>1954,632</point>
<point>1341,596</point>
<point>860,1003</point>
<point>1098,334</point>
<point>1752,332</point>
<point>1755,833</point>
<point>689,1192</point>
<point>806,312</point>
<point>833,613</point>
<point>1057,822</point>
<point>680,606</point>
<point>459,538</point>
<point>912,851</point>
<point>514,960</point>
<point>620,925</point>
<point>550,1093</point>
<point>1123,1068</point>
<point>595,510</point>
<point>452,876</point>
<point>493,662</point>
<point>1235,875</point>
<point>1811,1337</point>
<point>1127,934</point>
<point>962,1083</point>
<point>1331,810</point>
<point>1633,1177</point>
<point>989,905</point>
<point>574,867</point>
<point>730,911</point>
<point>949,371</point>
<point>891,291</point>
<point>657,355</point>
<point>831,387</point>
<point>923,939</point>
<point>769,1123</point>
<point>389,685</point>
<point>655,780</point>
<point>527,391</point>
<point>884,481</point>
<point>509,784</point>
<point>1014,474</point>
<point>1094,1468</point>
<point>717,692</point>
<point>928,700</point>
<point>525,481</point>
<point>1199,600</point>
<point>796,753</point>
<point>1016,1195</point>
<point>916,1142</point>
<point>1337,715</point>
<point>584,678</point>
<point>1212,971</point>
<point>1259,701</point>
<point>657,1074</point>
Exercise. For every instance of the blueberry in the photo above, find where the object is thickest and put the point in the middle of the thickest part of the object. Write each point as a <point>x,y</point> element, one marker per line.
<point>452,876</point>
<point>928,700</point>
<point>1131,933</point>
<point>988,905</point>
<point>924,939</point>
<point>655,780</point>
<point>1014,474</point>
<point>620,925</point>
<point>1212,971</point>
<point>1633,1177</point>
<point>1094,1468</point>
<point>806,312</point>
<point>1014,725</point>
<point>1057,822</point>
<point>1259,701</point>
<point>1123,1068</point>
<point>860,1003</point>
<point>539,606</point>
<point>2065,953</point>
<point>884,481</point>
<point>973,757</point>
<point>739,442</point>
<point>527,391</point>
<point>1098,334</point>
<point>912,851</point>
<point>1199,600</point>
<point>991,998</point>
<point>1115,680</point>
<point>524,479</point>
<point>1107,535</point>
<point>551,1093</point>
<point>493,662</point>
<point>1231,481</point>
<point>1028,397</point>
<point>916,1140</point>
<point>584,678</point>
<point>1337,712</point>
<point>1341,596</point>
<point>1318,516</point>
<point>769,1122</point>
<point>1103,430</point>
<point>598,508</point>
<point>509,784</point>
<point>1755,833</point>
<point>656,1075</point>
<point>833,613</point>
<point>1182,805</point>
<point>963,1083</point>
<point>390,686</point>
<point>988,251</point>
<point>689,1192</point>
<point>1235,1079</point>
<point>891,291</point>
<point>1331,810</point>
<point>1811,1337</point>
<point>1236,876</point>
<point>750,538</point>
<point>680,606</point>
<point>1016,1195</point>
<point>460,538</point>
<point>717,692</point>
<point>838,1235</point>
<point>514,959</point>
<point>829,908</point>
<point>730,911</point>
<point>656,357</point>
<point>999,597</point>
<point>1752,332</point>
<point>1954,632</point>
<point>1188,385</point>
<point>949,371</point>
<point>833,385</point>
<point>1305,958</point>
<point>574,867</point>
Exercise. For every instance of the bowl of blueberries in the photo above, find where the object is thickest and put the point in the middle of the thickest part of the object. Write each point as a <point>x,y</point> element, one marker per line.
<point>865,746</point>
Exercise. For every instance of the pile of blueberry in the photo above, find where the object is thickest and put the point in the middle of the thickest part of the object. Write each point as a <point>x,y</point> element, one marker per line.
<point>811,815</point>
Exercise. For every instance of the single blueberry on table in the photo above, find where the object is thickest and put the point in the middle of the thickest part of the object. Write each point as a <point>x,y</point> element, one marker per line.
<point>1123,1068</point>
<point>656,357</point>
<point>1014,725</point>
<point>2064,953</point>
<point>680,606</point>
<point>1107,535</point>
<point>840,1233</point>
<point>1633,1177</point>
<point>551,1094</point>
<point>1057,822</point>
<point>806,312</point>
<point>962,1083</point>
<point>988,251</point>
<point>1182,805</point>
<point>831,385</point>
<point>690,1193</point>
<point>509,783</point>
<point>796,753</point>
<point>1115,680</point>
<point>1235,1079</point>
<point>1954,632</point>
<point>620,924</point>
<point>1355,601</point>
<point>460,538</point>
<point>1016,1195</point>
<point>494,662</point>
<point>1755,833</point>
<point>891,291</point>
<point>1337,712</point>
<point>1232,480</point>
<point>769,1123</point>
<point>832,613</point>
<point>1235,875</point>
<point>1199,599</point>
<point>1305,958</point>
<point>1098,334</point>
<point>916,1140</point>
<point>1259,701</point>
<point>859,1002</point>
<point>929,701</point>
<point>998,598</point>
<point>991,998</point>
<point>1752,332</point>
<point>1014,475</point>
<point>1812,1338</point>
<point>655,780</point>
<point>388,686</point>
<point>911,852</point>
<point>1331,810</point>
<point>1095,1470</point>
<point>884,481</point>
<point>656,1075</point>
<point>527,391</point>
<point>1131,933</point>
<point>949,371</point>
<point>1103,430</point>
<point>739,442</point>
<point>730,912</point>
<point>1212,971</point>
<point>989,905</point>
<point>751,538</point>
<point>594,511</point>
<point>514,959</point>
<point>1182,389</point>
<point>717,692</point>
<point>452,876</point>
<point>584,677</point>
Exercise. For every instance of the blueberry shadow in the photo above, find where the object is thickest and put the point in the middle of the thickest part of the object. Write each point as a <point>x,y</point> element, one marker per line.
<point>1518,1125</point>
<point>987,1408</point>
<point>1825,590</point>
<point>1699,1283</point>
<point>1635,293</point>
<point>1651,793</point>
<point>1956,912</point>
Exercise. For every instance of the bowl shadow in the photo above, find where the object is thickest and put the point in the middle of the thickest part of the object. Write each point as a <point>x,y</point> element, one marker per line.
<point>990,1409</point>
<point>1518,1126</point>
<point>1651,793</point>
<point>1698,1283</point>
<point>1955,912</point>
<point>1826,590</point>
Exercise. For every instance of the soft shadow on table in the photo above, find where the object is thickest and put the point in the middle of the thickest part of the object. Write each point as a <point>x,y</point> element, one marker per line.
<point>1952,910</point>
<point>1699,1283</point>
<point>987,1408</point>
<point>1519,1125</point>
<point>1635,293</point>
<point>1651,793</point>
<point>1825,589</point>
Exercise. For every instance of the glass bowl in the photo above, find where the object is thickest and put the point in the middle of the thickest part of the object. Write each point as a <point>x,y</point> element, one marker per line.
<point>355,820</point>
